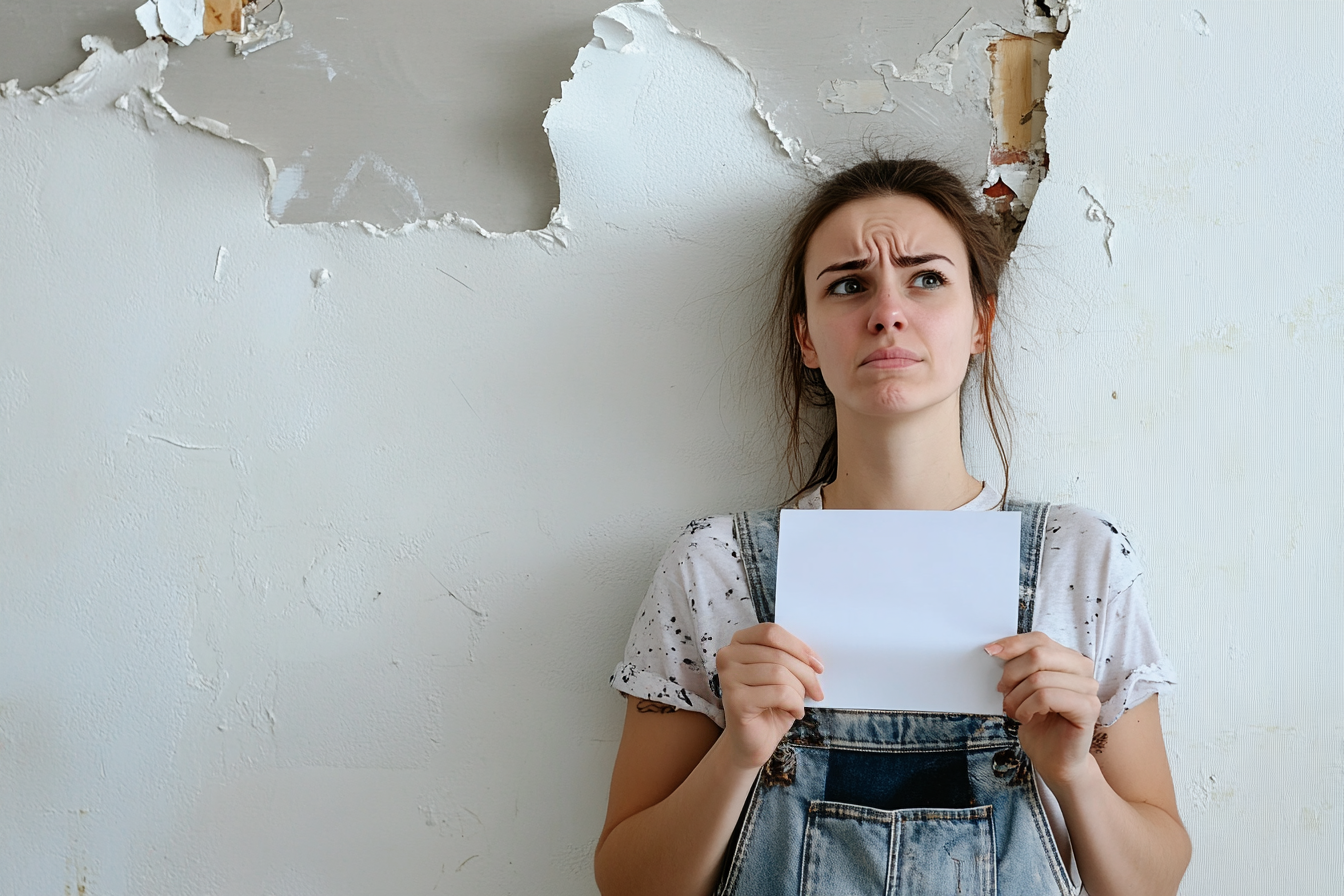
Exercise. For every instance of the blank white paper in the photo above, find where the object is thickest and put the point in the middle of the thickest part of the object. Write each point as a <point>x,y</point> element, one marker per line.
<point>899,604</point>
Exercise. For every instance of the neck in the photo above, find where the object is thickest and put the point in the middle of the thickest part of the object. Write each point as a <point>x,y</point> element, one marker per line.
<point>912,462</point>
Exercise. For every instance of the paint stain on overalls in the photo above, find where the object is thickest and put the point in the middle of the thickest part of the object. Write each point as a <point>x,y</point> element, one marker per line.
<point>857,802</point>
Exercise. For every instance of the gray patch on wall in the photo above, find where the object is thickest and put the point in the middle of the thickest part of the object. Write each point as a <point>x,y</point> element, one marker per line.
<point>39,42</point>
<point>378,113</point>
<point>372,114</point>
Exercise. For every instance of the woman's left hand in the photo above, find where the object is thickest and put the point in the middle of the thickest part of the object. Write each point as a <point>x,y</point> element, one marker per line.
<point>1049,689</point>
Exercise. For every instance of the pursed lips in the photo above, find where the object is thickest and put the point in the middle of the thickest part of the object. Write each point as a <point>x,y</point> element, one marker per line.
<point>892,357</point>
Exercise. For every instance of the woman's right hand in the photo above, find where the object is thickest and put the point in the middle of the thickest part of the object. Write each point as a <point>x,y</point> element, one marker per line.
<point>764,673</point>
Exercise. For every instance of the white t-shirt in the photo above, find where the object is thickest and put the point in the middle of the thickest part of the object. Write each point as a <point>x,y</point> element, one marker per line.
<point>1089,597</point>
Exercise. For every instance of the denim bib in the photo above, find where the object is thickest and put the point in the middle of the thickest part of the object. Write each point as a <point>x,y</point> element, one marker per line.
<point>857,802</point>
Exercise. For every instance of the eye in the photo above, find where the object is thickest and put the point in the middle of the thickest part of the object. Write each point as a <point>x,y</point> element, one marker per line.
<point>929,280</point>
<point>846,287</point>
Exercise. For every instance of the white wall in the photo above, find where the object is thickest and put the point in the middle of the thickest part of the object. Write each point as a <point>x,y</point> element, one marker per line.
<point>316,588</point>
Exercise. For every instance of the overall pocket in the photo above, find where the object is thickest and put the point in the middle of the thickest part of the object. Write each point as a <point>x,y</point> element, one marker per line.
<point>859,851</point>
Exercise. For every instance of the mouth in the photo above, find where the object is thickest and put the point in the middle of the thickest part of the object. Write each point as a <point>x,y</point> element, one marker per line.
<point>889,358</point>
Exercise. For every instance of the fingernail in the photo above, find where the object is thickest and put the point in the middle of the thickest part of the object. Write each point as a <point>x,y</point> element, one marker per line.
<point>817,664</point>
<point>993,649</point>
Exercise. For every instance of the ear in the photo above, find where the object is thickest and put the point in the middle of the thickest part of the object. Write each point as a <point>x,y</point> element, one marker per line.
<point>804,338</point>
<point>984,324</point>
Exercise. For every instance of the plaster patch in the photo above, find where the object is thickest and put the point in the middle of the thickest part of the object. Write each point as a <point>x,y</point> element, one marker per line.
<point>870,96</point>
<point>792,146</point>
<point>147,14</point>
<point>611,34</point>
<point>935,67</point>
<point>286,187</point>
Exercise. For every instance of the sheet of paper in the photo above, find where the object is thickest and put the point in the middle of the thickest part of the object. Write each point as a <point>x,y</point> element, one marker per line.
<point>900,603</point>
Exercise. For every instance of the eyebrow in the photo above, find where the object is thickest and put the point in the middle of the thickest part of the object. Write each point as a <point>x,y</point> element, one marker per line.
<point>902,261</point>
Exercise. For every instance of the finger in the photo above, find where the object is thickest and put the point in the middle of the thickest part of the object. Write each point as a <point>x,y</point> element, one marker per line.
<point>759,675</point>
<point>1041,680</point>
<point>770,634</point>
<point>1080,710</point>
<point>747,654</point>
<point>757,701</point>
<point>1049,657</point>
<point>1016,645</point>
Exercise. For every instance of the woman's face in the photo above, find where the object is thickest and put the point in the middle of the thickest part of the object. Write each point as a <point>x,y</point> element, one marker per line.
<point>890,318</point>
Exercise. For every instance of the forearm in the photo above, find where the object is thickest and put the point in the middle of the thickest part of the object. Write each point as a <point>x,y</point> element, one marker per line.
<point>1121,848</point>
<point>676,846</point>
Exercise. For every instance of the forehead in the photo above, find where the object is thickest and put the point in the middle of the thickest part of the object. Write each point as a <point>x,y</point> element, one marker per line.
<point>901,225</point>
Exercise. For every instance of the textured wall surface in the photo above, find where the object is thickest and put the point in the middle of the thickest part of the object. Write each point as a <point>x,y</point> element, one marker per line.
<point>321,540</point>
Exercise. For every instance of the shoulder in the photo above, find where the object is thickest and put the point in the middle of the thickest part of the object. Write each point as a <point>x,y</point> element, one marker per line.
<point>1082,539</point>
<point>702,572</point>
<point>706,543</point>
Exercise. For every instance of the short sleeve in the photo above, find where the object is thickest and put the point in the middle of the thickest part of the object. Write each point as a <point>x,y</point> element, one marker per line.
<point>1090,598</point>
<point>690,610</point>
<point>1130,664</point>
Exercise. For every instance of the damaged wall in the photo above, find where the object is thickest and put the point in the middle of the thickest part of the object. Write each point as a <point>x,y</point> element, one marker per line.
<point>389,115</point>
<point>320,541</point>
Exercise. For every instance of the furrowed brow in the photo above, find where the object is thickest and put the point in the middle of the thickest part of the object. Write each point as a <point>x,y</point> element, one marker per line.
<point>857,264</point>
<point>911,261</point>
<point>901,261</point>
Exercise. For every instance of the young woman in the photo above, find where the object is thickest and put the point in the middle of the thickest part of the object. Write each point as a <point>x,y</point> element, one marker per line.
<point>724,781</point>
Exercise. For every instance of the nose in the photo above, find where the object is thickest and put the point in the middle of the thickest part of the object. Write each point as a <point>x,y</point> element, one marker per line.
<point>888,312</point>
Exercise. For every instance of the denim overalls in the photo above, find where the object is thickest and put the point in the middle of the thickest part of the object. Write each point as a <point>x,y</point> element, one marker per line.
<point>859,802</point>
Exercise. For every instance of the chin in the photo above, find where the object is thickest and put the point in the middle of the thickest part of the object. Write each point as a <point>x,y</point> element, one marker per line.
<point>892,399</point>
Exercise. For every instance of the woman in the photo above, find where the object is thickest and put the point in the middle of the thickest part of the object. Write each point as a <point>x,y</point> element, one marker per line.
<point>886,296</point>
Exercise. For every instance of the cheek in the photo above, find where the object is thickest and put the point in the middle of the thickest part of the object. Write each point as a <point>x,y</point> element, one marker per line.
<point>830,331</point>
<point>954,332</point>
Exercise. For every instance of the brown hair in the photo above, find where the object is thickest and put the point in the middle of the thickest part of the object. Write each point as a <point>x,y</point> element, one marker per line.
<point>802,388</point>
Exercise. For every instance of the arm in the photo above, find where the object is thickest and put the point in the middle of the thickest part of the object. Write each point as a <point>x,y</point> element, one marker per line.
<point>673,805</point>
<point>1113,784</point>
<point>679,784</point>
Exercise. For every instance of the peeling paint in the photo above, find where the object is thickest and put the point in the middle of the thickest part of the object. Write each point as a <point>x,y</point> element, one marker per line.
<point>1096,213</point>
<point>839,95</point>
<point>610,33</point>
<point>183,21</point>
<point>180,20</point>
<point>258,34</point>
<point>1019,161</point>
<point>259,567</point>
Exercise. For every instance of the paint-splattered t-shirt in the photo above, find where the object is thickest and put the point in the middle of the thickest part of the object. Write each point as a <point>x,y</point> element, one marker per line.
<point>1089,597</point>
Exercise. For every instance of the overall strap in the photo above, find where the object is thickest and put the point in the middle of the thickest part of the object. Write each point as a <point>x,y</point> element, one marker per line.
<point>757,534</point>
<point>1033,535</point>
